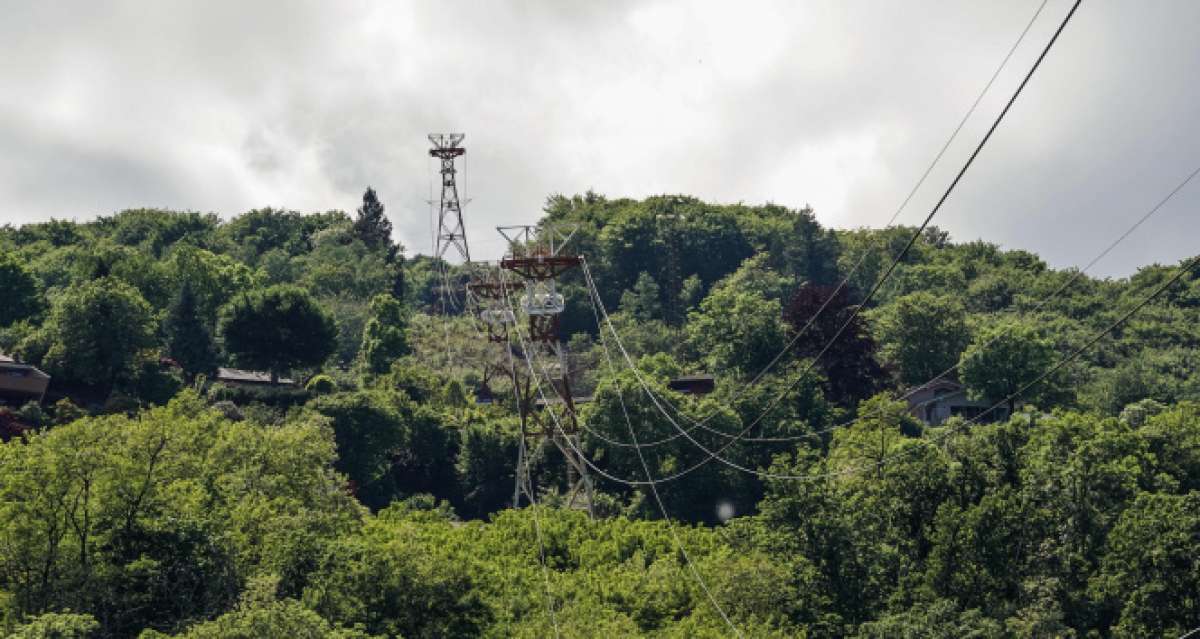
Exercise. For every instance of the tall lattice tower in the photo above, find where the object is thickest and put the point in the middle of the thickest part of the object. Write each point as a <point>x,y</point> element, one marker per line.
<point>537,256</point>
<point>451,232</point>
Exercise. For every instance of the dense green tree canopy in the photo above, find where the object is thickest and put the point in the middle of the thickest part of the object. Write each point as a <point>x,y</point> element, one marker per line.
<point>18,289</point>
<point>801,499</point>
<point>98,331</point>
<point>277,329</point>
<point>923,335</point>
<point>1006,358</point>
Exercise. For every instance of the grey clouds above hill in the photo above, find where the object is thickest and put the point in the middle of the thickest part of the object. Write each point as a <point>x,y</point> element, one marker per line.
<point>228,106</point>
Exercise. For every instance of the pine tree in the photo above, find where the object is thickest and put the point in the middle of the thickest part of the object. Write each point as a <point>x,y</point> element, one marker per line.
<point>189,341</point>
<point>372,225</point>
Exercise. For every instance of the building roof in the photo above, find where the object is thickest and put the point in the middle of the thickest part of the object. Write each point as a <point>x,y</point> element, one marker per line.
<point>697,377</point>
<point>943,383</point>
<point>10,367</point>
<point>248,377</point>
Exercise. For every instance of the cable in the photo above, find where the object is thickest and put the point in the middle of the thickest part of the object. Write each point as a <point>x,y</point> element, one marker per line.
<point>1191,633</point>
<point>1037,308</point>
<point>537,524</point>
<point>649,476</point>
<point>1184,269</point>
<point>912,239</point>
<point>920,182</point>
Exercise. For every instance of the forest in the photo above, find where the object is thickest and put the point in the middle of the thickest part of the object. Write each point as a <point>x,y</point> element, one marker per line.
<point>365,488</point>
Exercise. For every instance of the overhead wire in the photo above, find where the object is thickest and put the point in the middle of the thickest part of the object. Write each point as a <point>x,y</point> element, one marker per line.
<point>1076,275</point>
<point>1180,272</point>
<point>534,378</point>
<point>537,524</point>
<point>745,388</point>
<point>898,258</point>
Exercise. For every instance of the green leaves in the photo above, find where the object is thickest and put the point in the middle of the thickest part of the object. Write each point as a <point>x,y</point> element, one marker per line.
<point>277,329</point>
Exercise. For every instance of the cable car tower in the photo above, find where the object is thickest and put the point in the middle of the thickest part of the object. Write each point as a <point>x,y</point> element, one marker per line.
<point>451,232</point>
<point>537,256</point>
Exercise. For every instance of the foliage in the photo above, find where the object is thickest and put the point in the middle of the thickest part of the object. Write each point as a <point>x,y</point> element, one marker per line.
<point>277,329</point>
<point>816,315</point>
<point>371,225</point>
<point>1004,360</point>
<point>189,342</point>
<point>18,289</point>
<point>385,338</point>
<point>736,331</point>
<point>922,336</point>
<point>837,515</point>
<point>56,625</point>
<point>97,332</point>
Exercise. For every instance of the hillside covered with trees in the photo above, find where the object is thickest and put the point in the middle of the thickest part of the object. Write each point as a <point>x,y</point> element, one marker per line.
<point>364,488</point>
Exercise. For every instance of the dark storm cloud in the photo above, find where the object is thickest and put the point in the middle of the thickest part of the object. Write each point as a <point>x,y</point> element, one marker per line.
<point>228,106</point>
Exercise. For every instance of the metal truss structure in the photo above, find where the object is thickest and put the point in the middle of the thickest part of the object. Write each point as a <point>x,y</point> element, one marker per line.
<point>537,256</point>
<point>451,232</point>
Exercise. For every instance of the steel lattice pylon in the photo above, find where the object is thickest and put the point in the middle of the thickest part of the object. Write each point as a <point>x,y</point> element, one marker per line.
<point>536,255</point>
<point>451,232</point>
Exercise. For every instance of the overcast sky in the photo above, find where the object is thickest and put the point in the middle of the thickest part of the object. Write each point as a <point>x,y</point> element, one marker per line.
<point>228,106</point>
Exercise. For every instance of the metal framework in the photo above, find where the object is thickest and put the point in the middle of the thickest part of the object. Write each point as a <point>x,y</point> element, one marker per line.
<point>536,255</point>
<point>451,232</point>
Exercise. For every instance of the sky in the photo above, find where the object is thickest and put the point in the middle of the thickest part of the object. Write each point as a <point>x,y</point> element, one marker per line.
<point>229,106</point>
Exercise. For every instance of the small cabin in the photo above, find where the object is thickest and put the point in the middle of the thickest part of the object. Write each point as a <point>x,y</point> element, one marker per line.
<point>937,401</point>
<point>249,379</point>
<point>21,383</point>
<point>701,384</point>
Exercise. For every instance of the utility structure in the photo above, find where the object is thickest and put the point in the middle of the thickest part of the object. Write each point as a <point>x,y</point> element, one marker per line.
<point>451,232</point>
<point>537,256</point>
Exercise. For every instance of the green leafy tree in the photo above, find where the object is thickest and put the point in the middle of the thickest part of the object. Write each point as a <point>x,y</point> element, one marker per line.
<point>1003,359</point>
<point>923,335</point>
<point>57,625</point>
<point>1150,577</point>
<point>189,341</point>
<point>98,332</point>
<point>737,331</point>
<point>18,290</point>
<point>277,329</point>
<point>388,445</point>
<point>286,619</point>
<point>642,302</point>
<point>385,336</point>
<point>397,588</point>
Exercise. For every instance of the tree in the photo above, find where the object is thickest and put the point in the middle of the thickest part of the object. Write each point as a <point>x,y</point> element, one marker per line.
<point>385,336</point>
<point>815,314</point>
<point>923,335</point>
<point>371,225</point>
<point>736,331</point>
<point>55,625</point>
<point>389,445</point>
<point>98,331</point>
<point>277,329</point>
<point>18,290</point>
<point>1149,574</point>
<point>188,341</point>
<point>642,302</point>
<point>1003,359</point>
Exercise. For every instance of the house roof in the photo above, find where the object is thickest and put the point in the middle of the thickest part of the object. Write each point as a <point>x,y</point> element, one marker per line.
<point>248,377</point>
<point>937,384</point>
<point>9,365</point>
<point>697,377</point>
